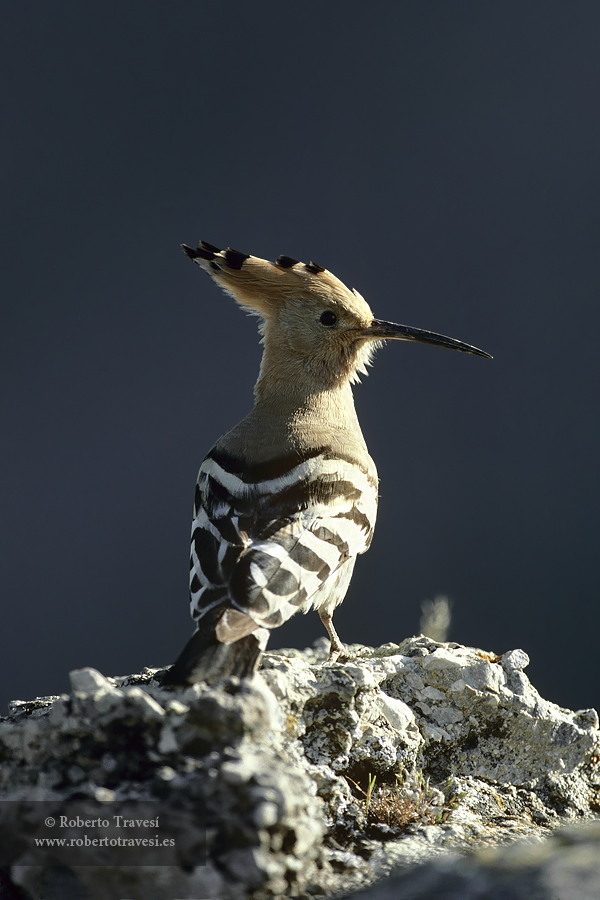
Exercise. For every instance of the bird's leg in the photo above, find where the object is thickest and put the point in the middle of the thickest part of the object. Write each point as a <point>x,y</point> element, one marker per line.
<point>337,651</point>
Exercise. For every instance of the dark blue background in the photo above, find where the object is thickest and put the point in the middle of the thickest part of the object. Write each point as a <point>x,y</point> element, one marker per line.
<point>442,158</point>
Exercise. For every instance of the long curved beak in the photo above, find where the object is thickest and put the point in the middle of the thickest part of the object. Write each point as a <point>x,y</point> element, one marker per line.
<point>384,331</point>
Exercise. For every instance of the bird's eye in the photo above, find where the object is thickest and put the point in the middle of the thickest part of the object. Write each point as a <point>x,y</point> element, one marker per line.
<point>328,318</point>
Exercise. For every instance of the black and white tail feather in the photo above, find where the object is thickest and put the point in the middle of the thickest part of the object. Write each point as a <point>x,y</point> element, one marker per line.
<point>287,500</point>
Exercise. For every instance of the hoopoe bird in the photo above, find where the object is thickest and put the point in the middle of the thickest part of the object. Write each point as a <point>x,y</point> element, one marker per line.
<point>287,499</point>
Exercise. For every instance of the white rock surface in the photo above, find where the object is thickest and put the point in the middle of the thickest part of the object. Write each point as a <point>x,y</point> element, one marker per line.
<point>464,752</point>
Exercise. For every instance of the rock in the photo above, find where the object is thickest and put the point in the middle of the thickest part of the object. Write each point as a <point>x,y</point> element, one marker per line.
<point>88,681</point>
<point>566,865</point>
<point>312,779</point>
<point>514,660</point>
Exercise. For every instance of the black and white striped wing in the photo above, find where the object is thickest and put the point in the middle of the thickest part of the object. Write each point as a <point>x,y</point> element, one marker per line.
<point>267,547</point>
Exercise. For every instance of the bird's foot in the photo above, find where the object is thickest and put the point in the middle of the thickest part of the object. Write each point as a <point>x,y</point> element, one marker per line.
<point>339,654</point>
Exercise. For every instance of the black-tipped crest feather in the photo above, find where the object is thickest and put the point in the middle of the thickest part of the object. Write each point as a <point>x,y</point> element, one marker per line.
<point>208,246</point>
<point>235,259</point>
<point>286,262</point>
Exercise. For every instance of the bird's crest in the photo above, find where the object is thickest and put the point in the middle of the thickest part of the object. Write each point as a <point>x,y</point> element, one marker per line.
<point>262,286</point>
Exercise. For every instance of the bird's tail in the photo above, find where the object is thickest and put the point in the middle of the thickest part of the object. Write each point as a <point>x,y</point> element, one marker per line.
<point>206,658</point>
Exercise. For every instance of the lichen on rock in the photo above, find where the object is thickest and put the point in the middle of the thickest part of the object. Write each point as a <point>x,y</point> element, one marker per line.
<point>312,778</point>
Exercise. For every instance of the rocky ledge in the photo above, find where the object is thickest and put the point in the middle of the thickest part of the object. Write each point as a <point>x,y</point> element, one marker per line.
<point>306,780</point>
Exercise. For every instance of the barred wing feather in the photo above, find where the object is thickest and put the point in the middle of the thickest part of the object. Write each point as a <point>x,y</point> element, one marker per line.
<point>270,546</point>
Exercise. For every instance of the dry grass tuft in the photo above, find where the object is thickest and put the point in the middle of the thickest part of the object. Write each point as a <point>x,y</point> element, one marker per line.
<point>411,800</point>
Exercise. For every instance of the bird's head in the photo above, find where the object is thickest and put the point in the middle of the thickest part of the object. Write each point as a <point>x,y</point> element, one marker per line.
<point>314,328</point>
